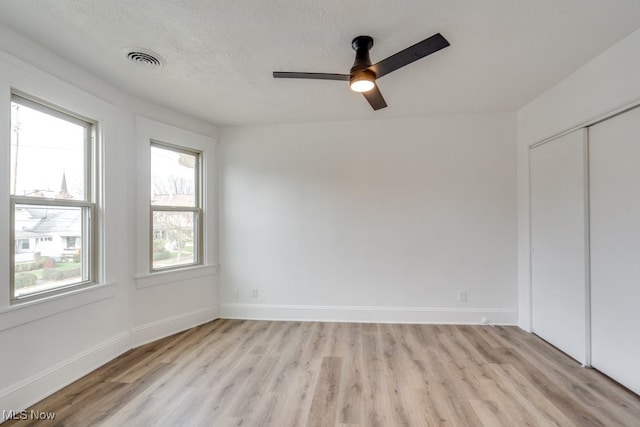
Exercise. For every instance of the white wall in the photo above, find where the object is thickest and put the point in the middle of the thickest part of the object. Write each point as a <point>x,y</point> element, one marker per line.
<point>606,84</point>
<point>46,345</point>
<point>371,221</point>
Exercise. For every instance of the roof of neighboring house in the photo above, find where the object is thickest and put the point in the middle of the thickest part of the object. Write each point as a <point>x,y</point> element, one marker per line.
<point>42,221</point>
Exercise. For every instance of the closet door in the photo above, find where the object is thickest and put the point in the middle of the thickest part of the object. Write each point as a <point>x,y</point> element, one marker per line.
<point>559,243</point>
<point>614,147</point>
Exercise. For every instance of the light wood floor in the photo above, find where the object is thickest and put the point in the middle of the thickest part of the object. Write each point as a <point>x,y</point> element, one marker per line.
<point>257,373</point>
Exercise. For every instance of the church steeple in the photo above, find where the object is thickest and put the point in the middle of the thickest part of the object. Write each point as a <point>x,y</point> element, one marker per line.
<point>64,193</point>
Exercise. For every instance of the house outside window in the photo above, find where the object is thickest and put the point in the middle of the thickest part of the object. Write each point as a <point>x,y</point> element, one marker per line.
<point>52,200</point>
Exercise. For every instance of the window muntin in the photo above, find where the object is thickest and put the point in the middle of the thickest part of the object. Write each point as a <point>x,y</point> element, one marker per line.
<point>51,201</point>
<point>176,213</point>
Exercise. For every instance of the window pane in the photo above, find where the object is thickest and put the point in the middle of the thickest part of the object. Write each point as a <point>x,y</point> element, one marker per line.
<point>47,155</point>
<point>173,238</point>
<point>48,248</point>
<point>173,177</point>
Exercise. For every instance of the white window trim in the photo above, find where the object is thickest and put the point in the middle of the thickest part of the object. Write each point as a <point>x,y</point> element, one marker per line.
<point>197,209</point>
<point>148,131</point>
<point>49,305</point>
<point>17,76</point>
<point>91,180</point>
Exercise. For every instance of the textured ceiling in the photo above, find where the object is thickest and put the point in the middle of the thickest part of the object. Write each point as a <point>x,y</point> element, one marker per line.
<point>220,54</point>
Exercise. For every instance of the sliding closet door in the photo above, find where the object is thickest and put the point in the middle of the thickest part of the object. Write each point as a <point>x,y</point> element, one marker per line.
<point>558,243</point>
<point>614,147</point>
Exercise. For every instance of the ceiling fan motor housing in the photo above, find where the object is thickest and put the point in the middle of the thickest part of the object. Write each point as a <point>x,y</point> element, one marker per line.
<point>362,45</point>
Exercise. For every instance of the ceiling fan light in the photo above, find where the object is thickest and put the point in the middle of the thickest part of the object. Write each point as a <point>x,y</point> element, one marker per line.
<point>362,81</point>
<point>361,85</point>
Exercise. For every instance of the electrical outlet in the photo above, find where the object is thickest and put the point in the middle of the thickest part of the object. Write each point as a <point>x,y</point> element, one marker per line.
<point>462,296</point>
<point>254,293</point>
<point>235,293</point>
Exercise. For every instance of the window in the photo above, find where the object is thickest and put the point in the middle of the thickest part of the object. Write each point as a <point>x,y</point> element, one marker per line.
<point>71,242</point>
<point>22,245</point>
<point>176,207</point>
<point>52,200</point>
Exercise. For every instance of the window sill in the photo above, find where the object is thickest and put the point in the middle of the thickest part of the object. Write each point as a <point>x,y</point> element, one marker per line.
<point>170,276</point>
<point>30,311</point>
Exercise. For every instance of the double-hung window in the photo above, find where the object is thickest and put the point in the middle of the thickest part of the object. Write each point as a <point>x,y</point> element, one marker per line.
<point>52,200</point>
<point>176,207</point>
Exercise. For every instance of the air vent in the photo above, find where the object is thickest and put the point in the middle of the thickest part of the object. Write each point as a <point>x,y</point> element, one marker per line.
<point>145,57</point>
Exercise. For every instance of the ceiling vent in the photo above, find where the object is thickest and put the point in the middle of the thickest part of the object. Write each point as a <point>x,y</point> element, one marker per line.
<point>145,57</point>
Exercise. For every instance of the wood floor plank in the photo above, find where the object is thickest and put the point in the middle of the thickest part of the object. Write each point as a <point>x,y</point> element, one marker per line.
<point>528,397</point>
<point>323,405</point>
<point>259,373</point>
<point>488,412</point>
<point>298,399</point>
<point>377,410</point>
<point>351,397</point>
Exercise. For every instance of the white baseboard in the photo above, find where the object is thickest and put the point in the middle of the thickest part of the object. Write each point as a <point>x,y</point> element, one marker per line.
<point>455,315</point>
<point>31,390</point>
<point>149,332</point>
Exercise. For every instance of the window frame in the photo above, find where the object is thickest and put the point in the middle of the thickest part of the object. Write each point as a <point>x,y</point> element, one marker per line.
<point>197,210</point>
<point>88,205</point>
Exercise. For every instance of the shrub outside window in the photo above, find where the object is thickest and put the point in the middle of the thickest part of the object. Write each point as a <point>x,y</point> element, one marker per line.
<point>176,207</point>
<point>53,210</point>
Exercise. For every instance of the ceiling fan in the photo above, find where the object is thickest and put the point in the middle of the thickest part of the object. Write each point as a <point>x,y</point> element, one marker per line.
<point>363,75</point>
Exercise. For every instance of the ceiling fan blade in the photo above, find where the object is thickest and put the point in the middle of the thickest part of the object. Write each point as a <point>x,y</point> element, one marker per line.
<point>314,76</point>
<point>375,99</point>
<point>409,55</point>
